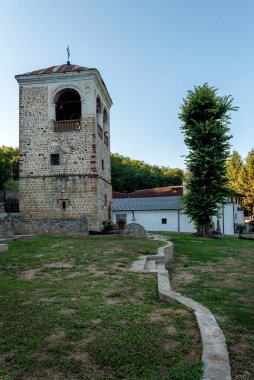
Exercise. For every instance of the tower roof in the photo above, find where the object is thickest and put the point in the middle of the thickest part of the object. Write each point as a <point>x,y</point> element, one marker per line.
<point>58,69</point>
<point>63,72</point>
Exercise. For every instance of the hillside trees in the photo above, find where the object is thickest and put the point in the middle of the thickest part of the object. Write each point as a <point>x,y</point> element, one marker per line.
<point>9,161</point>
<point>246,182</point>
<point>240,175</point>
<point>130,175</point>
<point>205,116</point>
<point>234,166</point>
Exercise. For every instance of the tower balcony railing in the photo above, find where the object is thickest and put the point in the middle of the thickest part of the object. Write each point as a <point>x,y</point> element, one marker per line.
<point>66,125</point>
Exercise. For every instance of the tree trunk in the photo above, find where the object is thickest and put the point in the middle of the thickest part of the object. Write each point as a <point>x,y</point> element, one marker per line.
<point>204,227</point>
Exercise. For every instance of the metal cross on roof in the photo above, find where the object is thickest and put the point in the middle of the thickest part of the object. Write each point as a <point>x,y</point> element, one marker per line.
<point>68,55</point>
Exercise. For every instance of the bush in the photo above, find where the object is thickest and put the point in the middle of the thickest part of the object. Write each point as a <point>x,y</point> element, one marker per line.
<point>11,185</point>
<point>107,226</point>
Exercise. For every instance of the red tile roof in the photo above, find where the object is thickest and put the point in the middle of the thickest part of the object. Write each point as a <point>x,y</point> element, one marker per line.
<point>170,191</point>
<point>58,69</point>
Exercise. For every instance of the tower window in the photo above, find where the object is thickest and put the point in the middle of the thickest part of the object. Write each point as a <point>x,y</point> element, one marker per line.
<point>68,106</point>
<point>55,159</point>
<point>105,117</point>
<point>102,164</point>
<point>98,105</point>
<point>64,205</point>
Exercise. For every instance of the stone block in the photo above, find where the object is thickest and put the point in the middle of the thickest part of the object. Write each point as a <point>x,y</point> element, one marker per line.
<point>136,230</point>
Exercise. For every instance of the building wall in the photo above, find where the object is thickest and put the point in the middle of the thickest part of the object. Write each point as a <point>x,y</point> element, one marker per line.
<point>79,182</point>
<point>230,214</point>
<point>179,222</point>
<point>185,224</point>
<point>152,220</point>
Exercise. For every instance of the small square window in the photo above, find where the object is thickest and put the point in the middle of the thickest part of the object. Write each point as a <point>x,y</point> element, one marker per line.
<point>55,159</point>
<point>164,221</point>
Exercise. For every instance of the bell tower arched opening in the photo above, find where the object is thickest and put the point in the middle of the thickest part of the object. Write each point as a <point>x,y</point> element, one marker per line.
<point>68,105</point>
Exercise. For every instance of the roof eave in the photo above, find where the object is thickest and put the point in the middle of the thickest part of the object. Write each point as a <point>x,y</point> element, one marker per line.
<point>41,79</point>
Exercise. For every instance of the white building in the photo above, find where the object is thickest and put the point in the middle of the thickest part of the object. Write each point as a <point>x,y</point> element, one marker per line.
<point>165,213</point>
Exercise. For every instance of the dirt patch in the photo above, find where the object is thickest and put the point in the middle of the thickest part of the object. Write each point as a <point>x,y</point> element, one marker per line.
<point>67,311</point>
<point>156,317</point>
<point>182,312</point>
<point>192,357</point>
<point>74,275</point>
<point>48,299</point>
<point>31,273</point>
<point>232,261</point>
<point>119,264</point>
<point>27,303</point>
<point>56,338</point>
<point>8,357</point>
<point>240,347</point>
<point>96,321</point>
<point>222,318</point>
<point>91,268</point>
<point>47,375</point>
<point>82,356</point>
<point>171,330</point>
<point>58,265</point>
<point>224,283</point>
<point>169,345</point>
<point>113,301</point>
<point>210,268</point>
<point>184,276</point>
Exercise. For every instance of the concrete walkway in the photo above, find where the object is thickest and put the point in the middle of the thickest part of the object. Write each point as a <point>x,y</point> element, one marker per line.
<point>215,354</point>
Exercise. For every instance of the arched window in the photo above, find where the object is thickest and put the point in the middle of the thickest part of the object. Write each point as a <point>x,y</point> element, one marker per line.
<point>98,105</point>
<point>105,117</point>
<point>68,105</point>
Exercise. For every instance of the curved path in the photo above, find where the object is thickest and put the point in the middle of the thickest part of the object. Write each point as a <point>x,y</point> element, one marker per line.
<point>215,354</point>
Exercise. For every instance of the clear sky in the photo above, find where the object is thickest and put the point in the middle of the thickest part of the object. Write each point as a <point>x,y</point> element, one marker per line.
<point>149,53</point>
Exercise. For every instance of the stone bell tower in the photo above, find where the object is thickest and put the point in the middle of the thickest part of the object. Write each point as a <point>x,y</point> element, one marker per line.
<point>65,145</point>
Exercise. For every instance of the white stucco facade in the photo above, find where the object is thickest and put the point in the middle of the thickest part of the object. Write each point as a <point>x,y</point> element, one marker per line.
<point>158,220</point>
<point>172,220</point>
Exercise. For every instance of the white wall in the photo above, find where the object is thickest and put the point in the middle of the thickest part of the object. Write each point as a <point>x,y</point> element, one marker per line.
<point>151,220</point>
<point>185,224</point>
<point>229,215</point>
<point>229,219</point>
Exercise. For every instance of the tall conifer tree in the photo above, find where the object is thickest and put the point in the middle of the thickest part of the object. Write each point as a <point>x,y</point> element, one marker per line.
<point>246,182</point>
<point>234,168</point>
<point>205,116</point>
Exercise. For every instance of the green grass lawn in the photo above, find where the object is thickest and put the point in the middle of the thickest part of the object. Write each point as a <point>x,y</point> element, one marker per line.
<point>219,273</point>
<point>70,308</point>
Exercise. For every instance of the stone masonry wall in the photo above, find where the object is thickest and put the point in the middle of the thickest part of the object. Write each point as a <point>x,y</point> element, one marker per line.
<point>72,189</point>
<point>17,224</point>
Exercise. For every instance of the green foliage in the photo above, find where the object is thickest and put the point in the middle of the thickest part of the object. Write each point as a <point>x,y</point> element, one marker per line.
<point>130,175</point>
<point>246,182</point>
<point>234,166</point>
<point>107,226</point>
<point>11,185</point>
<point>205,117</point>
<point>240,175</point>
<point>9,160</point>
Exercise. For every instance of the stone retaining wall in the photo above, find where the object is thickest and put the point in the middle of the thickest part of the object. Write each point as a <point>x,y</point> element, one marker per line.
<point>16,224</point>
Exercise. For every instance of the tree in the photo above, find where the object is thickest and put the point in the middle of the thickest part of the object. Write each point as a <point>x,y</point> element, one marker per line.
<point>205,116</point>
<point>130,175</point>
<point>246,182</point>
<point>9,159</point>
<point>234,167</point>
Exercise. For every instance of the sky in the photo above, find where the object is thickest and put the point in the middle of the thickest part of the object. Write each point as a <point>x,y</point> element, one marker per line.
<point>149,53</point>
